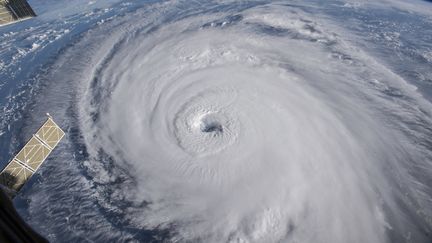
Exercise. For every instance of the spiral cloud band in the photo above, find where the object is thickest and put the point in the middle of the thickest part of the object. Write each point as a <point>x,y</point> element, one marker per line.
<point>249,123</point>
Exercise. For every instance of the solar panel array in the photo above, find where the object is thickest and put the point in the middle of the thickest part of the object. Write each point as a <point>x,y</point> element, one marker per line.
<point>31,156</point>
<point>13,10</point>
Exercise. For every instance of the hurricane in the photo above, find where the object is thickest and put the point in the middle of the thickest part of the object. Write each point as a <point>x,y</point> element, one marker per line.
<point>229,121</point>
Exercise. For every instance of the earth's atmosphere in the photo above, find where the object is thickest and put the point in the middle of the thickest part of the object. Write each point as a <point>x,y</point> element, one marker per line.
<point>224,121</point>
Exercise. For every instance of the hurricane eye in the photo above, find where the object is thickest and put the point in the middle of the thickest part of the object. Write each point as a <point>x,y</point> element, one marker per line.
<point>211,126</point>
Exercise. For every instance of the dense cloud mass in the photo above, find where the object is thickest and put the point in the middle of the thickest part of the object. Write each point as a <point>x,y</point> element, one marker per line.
<point>226,121</point>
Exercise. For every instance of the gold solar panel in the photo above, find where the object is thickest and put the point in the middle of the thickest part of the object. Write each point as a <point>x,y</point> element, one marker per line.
<point>14,10</point>
<point>31,156</point>
<point>50,133</point>
<point>15,175</point>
